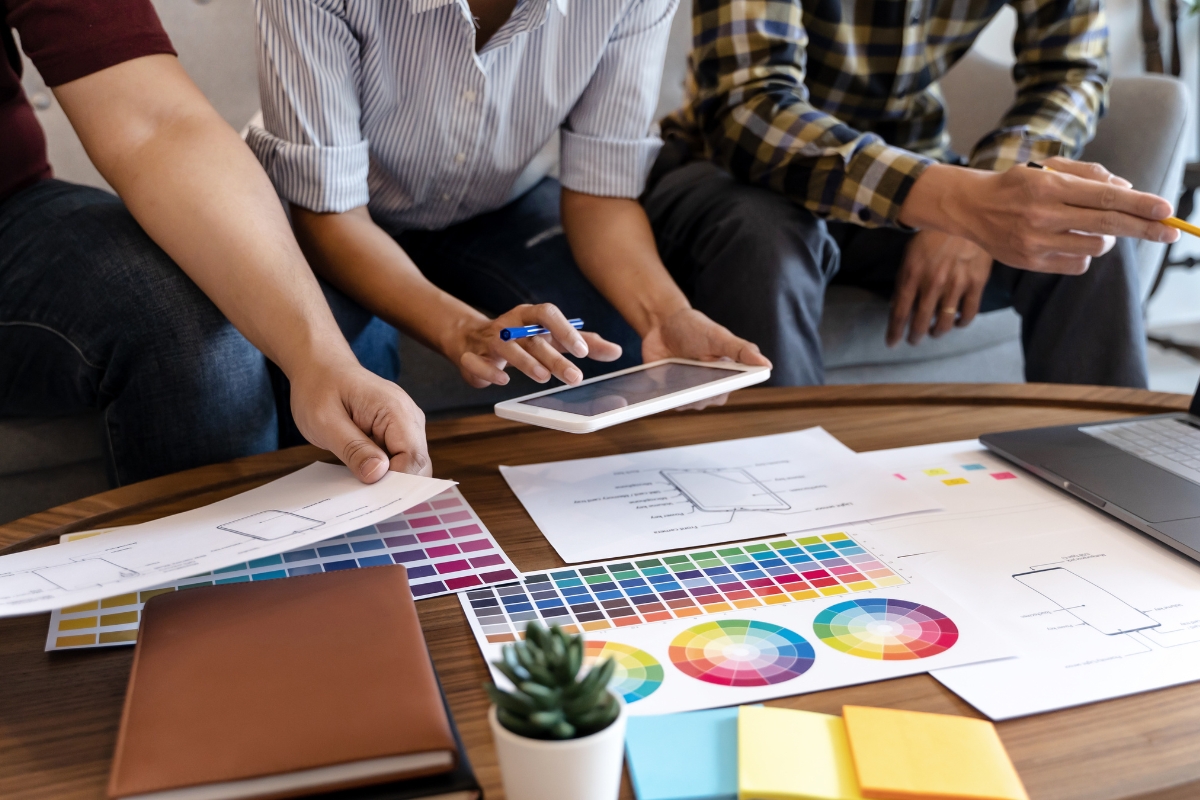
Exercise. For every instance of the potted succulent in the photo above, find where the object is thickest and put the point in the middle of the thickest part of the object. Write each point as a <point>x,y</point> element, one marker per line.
<point>559,734</point>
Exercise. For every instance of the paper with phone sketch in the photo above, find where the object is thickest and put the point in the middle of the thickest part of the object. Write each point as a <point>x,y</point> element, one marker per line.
<point>1097,610</point>
<point>443,544</point>
<point>312,504</point>
<point>677,497</point>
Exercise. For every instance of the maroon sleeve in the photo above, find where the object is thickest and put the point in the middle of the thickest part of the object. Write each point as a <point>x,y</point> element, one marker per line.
<point>68,39</point>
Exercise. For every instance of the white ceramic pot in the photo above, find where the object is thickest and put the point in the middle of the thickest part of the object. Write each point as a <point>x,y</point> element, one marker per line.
<point>561,769</point>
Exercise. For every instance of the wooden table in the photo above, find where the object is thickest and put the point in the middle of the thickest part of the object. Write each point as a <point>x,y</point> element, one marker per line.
<point>59,712</point>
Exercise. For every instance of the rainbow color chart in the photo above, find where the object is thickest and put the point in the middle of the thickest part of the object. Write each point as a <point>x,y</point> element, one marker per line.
<point>888,630</point>
<point>740,624</point>
<point>738,652</point>
<point>692,583</point>
<point>443,544</point>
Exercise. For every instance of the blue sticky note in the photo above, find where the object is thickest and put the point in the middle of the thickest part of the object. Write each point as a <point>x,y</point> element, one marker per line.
<point>690,756</point>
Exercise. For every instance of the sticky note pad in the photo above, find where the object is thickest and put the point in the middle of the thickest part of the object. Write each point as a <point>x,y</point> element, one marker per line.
<point>684,756</point>
<point>905,755</point>
<point>793,755</point>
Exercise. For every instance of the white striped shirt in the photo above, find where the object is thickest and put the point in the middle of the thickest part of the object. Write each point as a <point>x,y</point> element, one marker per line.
<point>385,103</point>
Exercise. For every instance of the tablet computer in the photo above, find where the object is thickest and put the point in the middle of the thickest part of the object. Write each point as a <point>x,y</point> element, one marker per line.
<point>630,393</point>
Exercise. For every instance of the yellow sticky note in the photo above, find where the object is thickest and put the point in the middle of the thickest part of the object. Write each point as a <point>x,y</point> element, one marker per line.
<point>905,755</point>
<point>955,481</point>
<point>936,471</point>
<point>793,755</point>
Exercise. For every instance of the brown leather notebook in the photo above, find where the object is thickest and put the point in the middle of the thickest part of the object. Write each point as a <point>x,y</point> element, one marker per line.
<point>281,688</point>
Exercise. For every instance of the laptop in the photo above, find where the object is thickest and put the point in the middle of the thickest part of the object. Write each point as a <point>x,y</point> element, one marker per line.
<point>1143,471</point>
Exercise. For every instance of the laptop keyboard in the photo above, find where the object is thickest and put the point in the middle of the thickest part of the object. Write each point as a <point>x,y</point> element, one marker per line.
<point>1171,444</point>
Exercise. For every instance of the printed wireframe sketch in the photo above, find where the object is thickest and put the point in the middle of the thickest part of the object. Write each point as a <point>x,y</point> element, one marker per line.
<point>724,490</point>
<point>271,525</point>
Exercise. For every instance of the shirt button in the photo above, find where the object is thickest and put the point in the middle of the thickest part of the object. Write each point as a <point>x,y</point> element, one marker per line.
<point>864,215</point>
<point>469,95</point>
<point>460,158</point>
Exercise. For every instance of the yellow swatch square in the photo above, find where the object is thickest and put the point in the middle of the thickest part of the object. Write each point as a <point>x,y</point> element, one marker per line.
<point>955,481</point>
<point>906,755</point>
<point>937,471</point>
<point>785,754</point>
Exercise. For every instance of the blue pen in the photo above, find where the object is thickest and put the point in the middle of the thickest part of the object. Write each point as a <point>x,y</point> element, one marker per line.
<point>507,334</point>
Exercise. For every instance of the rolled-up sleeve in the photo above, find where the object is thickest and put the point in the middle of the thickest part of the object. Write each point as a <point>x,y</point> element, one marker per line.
<point>608,143</point>
<point>1062,84</point>
<point>311,142</point>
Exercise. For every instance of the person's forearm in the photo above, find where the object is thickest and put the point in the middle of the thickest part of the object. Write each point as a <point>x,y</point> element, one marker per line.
<point>1046,220</point>
<point>614,247</point>
<point>358,257</point>
<point>199,193</point>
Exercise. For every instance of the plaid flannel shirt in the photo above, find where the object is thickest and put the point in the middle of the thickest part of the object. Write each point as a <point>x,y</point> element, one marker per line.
<point>836,103</point>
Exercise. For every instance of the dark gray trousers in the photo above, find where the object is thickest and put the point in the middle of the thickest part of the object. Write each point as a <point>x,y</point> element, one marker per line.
<point>759,264</point>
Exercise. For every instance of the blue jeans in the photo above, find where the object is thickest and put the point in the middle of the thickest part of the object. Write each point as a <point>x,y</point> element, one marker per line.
<point>519,254</point>
<point>759,264</point>
<point>94,316</point>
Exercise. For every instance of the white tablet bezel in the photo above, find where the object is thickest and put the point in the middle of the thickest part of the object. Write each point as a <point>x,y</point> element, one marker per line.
<point>740,376</point>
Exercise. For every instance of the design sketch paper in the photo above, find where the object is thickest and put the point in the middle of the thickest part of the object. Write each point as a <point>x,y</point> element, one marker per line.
<point>442,543</point>
<point>1096,612</point>
<point>318,502</point>
<point>982,498</point>
<point>657,500</point>
<point>739,624</point>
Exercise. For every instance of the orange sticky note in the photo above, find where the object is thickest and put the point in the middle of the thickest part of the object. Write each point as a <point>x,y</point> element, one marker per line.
<point>910,755</point>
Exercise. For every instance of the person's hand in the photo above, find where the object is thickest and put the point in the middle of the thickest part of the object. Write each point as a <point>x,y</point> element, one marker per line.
<point>481,356</point>
<point>940,286</point>
<point>1041,220</point>
<point>687,333</point>
<point>366,421</point>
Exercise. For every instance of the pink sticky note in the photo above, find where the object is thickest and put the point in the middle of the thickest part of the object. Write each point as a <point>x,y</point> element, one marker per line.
<point>1004,476</point>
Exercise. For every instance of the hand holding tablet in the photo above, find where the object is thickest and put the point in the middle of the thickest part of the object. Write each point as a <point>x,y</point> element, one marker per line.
<point>629,394</point>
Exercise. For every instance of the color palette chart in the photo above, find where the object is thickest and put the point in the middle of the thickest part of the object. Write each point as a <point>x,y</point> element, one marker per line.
<point>885,629</point>
<point>738,652</point>
<point>442,543</point>
<point>692,583</point>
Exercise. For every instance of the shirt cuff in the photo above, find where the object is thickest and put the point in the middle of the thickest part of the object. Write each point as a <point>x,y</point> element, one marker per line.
<point>606,167</point>
<point>876,183</point>
<point>1004,149</point>
<point>320,179</point>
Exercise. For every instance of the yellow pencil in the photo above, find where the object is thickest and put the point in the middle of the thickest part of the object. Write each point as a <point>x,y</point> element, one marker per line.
<point>1186,227</point>
<point>1171,222</point>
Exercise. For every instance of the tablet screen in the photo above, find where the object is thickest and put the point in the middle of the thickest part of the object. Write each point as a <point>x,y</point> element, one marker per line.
<point>625,390</point>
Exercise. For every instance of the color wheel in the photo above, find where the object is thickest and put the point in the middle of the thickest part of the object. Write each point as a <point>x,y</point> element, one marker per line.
<point>738,652</point>
<point>638,674</point>
<point>887,630</point>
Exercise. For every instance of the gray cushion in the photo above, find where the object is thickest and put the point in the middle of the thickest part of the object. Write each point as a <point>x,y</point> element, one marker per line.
<point>47,462</point>
<point>854,322</point>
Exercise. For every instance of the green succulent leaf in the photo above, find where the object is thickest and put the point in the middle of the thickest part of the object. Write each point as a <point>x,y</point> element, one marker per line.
<point>543,697</point>
<point>575,651</point>
<point>507,671</point>
<point>518,724</point>
<point>516,703</point>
